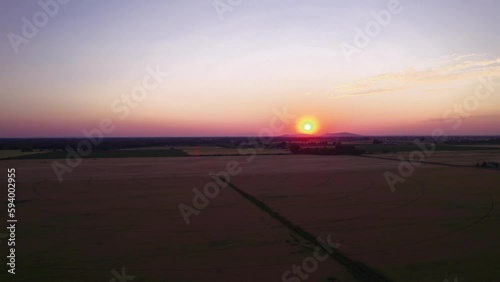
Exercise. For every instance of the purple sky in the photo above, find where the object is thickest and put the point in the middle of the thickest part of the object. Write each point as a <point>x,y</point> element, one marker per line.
<point>230,66</point>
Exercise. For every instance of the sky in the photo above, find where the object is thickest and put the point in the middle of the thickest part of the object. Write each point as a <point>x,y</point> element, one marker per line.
<point>225,67</point>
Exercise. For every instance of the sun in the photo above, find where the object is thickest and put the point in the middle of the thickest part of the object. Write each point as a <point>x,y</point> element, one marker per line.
<point>307,125</point>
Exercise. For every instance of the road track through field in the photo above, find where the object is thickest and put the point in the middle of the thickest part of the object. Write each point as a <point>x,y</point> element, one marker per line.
<point>358,270</point>
<point>425,162</point>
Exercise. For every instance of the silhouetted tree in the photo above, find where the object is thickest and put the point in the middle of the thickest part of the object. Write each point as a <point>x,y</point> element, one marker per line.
<point>295,148</point>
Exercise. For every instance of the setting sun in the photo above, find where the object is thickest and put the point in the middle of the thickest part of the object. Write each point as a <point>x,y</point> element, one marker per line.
<point>307,125</point>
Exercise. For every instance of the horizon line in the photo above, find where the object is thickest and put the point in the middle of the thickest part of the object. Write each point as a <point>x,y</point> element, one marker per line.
<point>253,136</point>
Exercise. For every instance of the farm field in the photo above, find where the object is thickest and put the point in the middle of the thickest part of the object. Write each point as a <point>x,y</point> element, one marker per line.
<point>465,158</point>
<point>107,154</point>
<point>148,152</point>
<point>387,148</point>
<point>114,213</point>
<point>214,150</point>
<point>16,153</point>
<point>482,146</point>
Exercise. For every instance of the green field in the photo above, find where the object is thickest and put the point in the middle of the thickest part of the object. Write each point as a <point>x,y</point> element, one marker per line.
<point>150,152</point>
<point>16,153</point>
<point>215,150</point>
<point>184,151</point>
<point>109,154</point>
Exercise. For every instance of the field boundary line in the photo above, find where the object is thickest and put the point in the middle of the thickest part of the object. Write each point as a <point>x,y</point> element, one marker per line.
<point>357,269</point>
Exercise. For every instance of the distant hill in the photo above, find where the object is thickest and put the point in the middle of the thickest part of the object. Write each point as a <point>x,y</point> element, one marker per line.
<point>342,134</point>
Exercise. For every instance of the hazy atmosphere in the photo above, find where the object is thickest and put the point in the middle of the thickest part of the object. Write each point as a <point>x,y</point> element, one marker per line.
<point>230,66</point>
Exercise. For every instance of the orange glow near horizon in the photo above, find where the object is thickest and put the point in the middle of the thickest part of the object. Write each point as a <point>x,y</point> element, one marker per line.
<point>307,125</point>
